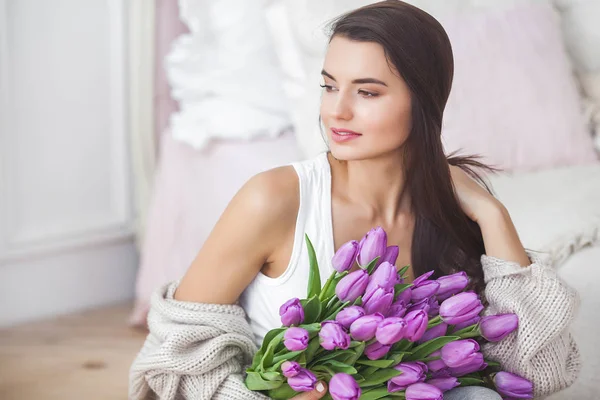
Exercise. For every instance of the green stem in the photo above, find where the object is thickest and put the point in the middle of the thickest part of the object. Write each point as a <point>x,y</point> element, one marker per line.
<point>469,335</point>
<point>325,289</point>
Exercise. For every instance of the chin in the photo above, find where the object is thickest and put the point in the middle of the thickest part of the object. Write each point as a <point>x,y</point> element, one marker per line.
<point>350,153</point>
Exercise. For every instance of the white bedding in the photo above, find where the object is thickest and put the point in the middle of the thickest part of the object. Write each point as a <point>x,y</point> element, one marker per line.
<point>558,211</point>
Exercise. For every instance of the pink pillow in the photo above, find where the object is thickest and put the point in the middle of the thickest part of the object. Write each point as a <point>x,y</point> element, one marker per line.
<point>514,99</point>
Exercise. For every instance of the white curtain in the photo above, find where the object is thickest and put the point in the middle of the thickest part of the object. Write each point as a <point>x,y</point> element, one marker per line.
<point>141,106</point>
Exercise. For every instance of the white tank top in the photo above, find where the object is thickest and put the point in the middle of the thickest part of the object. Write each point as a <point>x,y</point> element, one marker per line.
<point>263,297</point>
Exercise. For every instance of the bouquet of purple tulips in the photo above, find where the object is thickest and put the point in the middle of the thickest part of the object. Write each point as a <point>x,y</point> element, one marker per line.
<point>372,336</point>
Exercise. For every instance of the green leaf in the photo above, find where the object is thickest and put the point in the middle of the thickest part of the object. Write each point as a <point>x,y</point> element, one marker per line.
<point>470,381</point>
<point>312,309</point>
<point>332,355</point>
<point>380,376</point>
<point>403,270</point>
<point>254,381</point>
<point>341,367</point>
<point>368,371</point>
<point>468,329</point>
<point>375,394</point>
<point>283,392</point>
<point>314,275</point>
<point>402,345</point>
<point>271,376</point>
<point>370,267</point>
<point>324,368</point>
<point>326,288</point>
<point>492,363</point>
<point>397,357</point>
<point>376,363</point>
<point>278,360</point>
<point>429,347</point>
<point>313,346</point>
<point>399,288</point>
<point>358,351</point>
<point>336,311</point>
<point>267,359</point>
<point>260,353</point>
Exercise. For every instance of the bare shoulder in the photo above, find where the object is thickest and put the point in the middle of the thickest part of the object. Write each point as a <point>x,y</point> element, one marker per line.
<point>254,225</point>
<point>273,193</point>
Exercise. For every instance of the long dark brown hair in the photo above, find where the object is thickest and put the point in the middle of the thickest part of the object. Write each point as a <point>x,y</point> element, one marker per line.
<point>417,46</point>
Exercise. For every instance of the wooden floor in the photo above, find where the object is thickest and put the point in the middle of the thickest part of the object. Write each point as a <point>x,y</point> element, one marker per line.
<point>83,356</point>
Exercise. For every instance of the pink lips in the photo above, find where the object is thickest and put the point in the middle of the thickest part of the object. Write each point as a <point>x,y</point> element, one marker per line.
<point>343,135</point>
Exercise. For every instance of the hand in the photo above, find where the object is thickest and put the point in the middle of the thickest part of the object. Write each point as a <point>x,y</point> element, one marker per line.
<point>474,199</point>
<point>313,394</point>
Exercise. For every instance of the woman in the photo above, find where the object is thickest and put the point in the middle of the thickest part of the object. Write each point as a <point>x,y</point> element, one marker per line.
<point>387,76</point>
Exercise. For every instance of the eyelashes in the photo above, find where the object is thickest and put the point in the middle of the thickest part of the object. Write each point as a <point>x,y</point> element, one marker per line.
<point>363,93</point>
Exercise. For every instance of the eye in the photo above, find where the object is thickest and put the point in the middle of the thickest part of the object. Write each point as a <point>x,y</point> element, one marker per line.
<point>364,93</point>
<point>328,88</point>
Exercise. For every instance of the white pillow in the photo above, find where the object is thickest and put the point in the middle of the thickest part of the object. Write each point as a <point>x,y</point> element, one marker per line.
<point>225,74</point>
<point>581,25</point>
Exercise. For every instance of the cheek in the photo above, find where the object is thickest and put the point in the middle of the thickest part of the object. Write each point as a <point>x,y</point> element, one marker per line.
<point>388,121</point>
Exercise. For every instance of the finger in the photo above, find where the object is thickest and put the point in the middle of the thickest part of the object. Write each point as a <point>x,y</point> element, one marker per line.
<point>318,392</point>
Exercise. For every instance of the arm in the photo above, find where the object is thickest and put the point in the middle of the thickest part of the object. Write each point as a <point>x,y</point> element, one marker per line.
<point>199,340</point>
<point>542,349</point>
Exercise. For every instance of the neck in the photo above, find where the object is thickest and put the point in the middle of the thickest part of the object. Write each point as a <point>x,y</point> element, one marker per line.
<point>376,185</point>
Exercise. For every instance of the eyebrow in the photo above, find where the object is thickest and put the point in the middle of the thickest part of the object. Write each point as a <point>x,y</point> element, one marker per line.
<point>361,80</point>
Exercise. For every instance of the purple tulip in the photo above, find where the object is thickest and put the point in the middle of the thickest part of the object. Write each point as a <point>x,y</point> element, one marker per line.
<point>391,255</point>
<point>348,315</point>
<point>460,308</point>
<point>416,322</point>
<point>397,309</point>
<point>385,276</point>
<point>352,286</point>
<point>405,296</point>
<point>476,363</point>
<point>376,350</point>
<point>458,353</point>
<point>295,339</point>
<point>442,373</point>
<point>412,372</point>
<point>444,384</point>
<point>436,365</point>
<point>420,305</point>
<point>291,312</point>
<point>513,386</point>
<point>422,278</point>
<point>434,307</point>
<point>304,381</point>
<point>423,290</point>
<point>494,328</point>
<point>290,368</point>
<point>390,330</point>
<point>467,323</point>
<point>423,391</point>
<point>332,335</point>
<point>379,301</point>
<point>374,245</point>
<point>364,328</point>
<point>452,284</point>
<point>434,332</point>
<point>343,387</point>
<point>344,258</point>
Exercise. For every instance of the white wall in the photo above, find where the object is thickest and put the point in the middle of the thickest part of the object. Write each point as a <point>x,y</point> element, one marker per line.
<point>65,208</point>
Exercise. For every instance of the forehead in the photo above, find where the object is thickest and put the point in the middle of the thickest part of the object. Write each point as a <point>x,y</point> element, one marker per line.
<point>348,59</point>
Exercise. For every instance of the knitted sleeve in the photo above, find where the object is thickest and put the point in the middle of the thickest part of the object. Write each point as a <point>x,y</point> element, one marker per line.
<point>193,351</point>
<point>541,350</point>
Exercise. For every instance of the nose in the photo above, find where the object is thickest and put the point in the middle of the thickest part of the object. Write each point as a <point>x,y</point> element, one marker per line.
<point>342,107</point>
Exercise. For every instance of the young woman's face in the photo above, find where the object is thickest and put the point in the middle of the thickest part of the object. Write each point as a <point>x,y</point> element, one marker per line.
<point>363,95</point>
